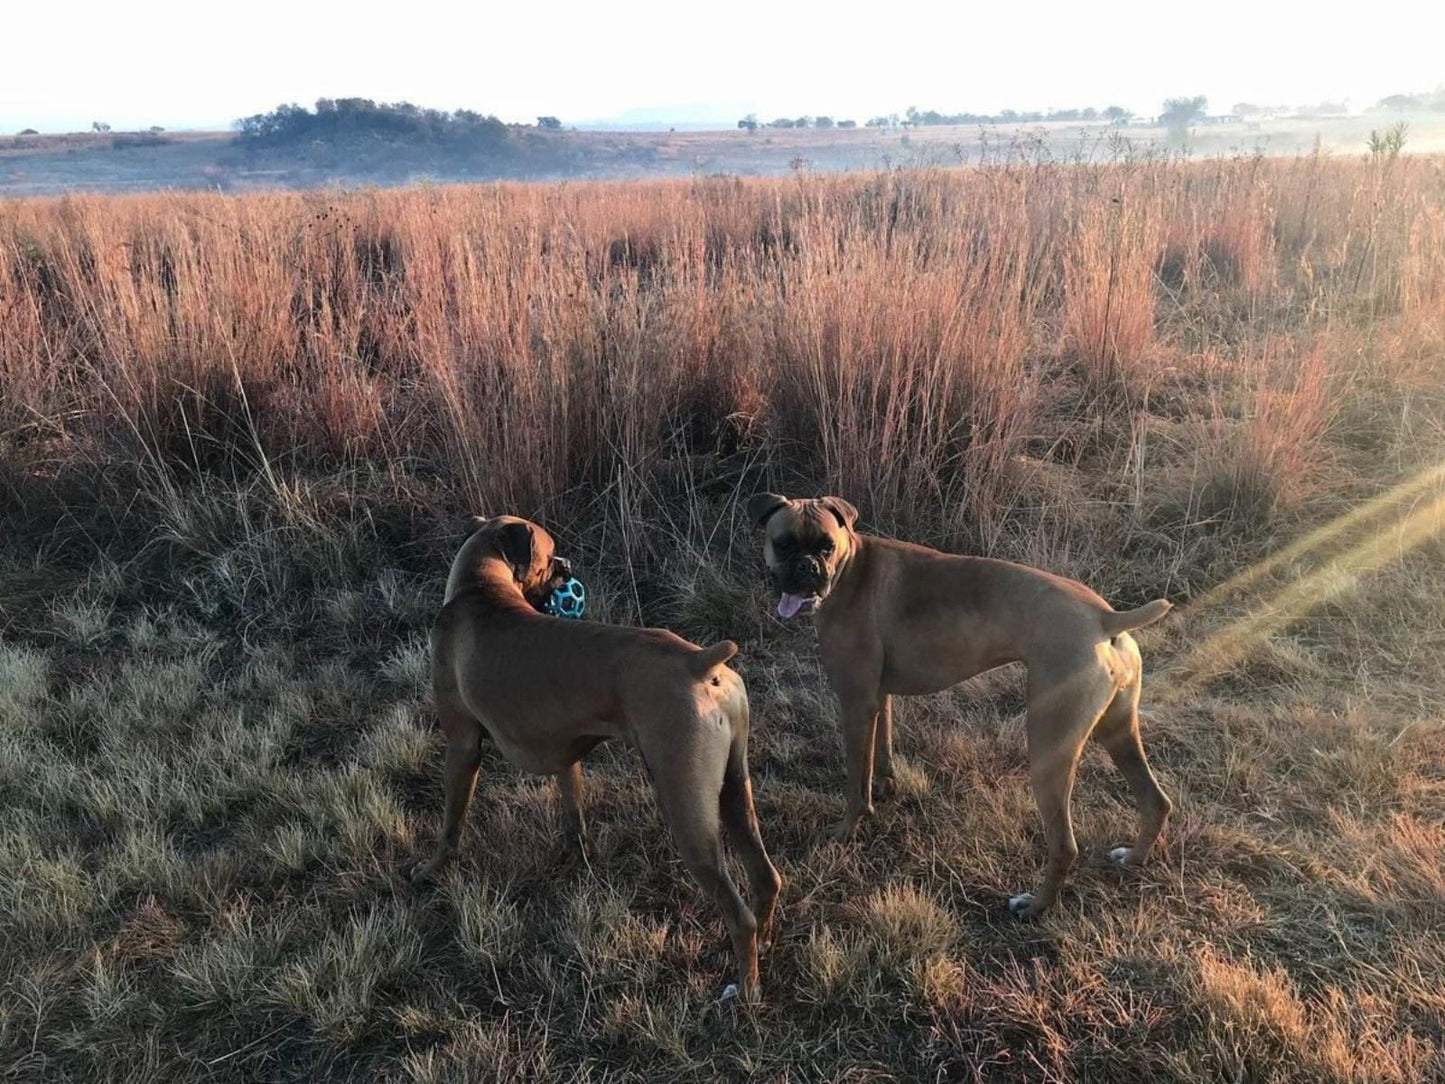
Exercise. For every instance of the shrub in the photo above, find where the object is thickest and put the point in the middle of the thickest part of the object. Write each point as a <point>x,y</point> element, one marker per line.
<point>1179,113</point>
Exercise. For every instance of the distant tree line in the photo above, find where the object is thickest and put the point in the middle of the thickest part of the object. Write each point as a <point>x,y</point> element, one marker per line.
<point>1431,102</point>
<point>102,127</point>
<point>1425,102</point>
<point>928,117</point>
<point>914,118</point>
<point>1176,114</point>
<point>752,124</point>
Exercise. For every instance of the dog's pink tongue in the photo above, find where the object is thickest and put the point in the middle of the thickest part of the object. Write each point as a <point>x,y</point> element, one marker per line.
<point>789,605</point>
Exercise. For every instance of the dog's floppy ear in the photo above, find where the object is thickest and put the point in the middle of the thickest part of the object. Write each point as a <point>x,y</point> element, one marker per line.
<point>515,542</point>
<point>846,513</point>
<point>763,505</point>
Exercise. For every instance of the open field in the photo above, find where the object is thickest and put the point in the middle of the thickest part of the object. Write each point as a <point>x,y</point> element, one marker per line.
<point>42,165</point>
<point>239,437</point>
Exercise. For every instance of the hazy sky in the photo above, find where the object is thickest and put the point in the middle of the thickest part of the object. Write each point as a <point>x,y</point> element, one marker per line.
<point>182,64</point>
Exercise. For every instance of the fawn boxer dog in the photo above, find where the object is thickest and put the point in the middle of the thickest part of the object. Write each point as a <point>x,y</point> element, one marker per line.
<point>898,618</point>
<point>548,690</point>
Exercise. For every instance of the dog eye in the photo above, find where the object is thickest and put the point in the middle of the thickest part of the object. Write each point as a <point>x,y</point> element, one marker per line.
<point>826,548</point>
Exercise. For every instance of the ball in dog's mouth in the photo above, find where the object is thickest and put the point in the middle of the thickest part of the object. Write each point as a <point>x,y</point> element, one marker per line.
<point>791,605</point>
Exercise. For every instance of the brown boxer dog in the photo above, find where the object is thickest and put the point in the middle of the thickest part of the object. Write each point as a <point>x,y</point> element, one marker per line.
<point>548,690</point>
<point>898,618</point>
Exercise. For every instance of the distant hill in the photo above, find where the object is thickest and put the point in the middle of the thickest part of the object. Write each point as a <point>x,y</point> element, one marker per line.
<point>388,141</point>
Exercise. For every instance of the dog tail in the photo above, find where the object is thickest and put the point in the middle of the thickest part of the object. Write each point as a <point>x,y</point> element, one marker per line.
<point>1129,620</point>
<point>704,660</point>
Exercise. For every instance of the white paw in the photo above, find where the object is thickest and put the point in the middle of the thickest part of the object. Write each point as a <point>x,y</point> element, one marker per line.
<point>730,991</point>
<point>1017,904</point>
<point>1121,854</point>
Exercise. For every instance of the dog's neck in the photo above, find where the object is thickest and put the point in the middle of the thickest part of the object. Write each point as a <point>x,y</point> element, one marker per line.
<point>845,576</point>
<point>491,578</point>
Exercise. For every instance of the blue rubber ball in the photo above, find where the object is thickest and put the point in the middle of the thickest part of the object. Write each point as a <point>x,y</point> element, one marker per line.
<point>569,600</point>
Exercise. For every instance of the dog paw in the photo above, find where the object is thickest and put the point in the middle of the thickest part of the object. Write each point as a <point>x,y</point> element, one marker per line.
<point>1022,904</point>
<point>746,994</point>
<point>848,827</point>
<point>426,870</point>
<point>1122,855</point>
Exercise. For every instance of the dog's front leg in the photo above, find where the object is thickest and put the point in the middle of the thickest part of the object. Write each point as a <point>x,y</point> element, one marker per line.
<point>884,784</point>
<point>858,713</point>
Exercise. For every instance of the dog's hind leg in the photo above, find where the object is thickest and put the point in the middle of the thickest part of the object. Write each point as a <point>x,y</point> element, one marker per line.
<point>688,763</point>
<point>463,757</point>
<point>1118,733</point>
<point>741,821</point>
<point>1063,708</point>
<point>700,846</point>
<point>574,822</point>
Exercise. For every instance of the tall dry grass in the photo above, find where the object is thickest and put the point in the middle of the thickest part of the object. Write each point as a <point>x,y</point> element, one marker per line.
<point>887,335</point>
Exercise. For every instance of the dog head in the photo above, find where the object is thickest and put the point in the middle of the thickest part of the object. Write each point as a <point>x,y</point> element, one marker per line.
<point>805,544</point>
<point>528,550</point>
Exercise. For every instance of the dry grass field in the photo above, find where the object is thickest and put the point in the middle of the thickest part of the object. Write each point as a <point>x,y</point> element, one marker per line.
<point>239,437</point>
